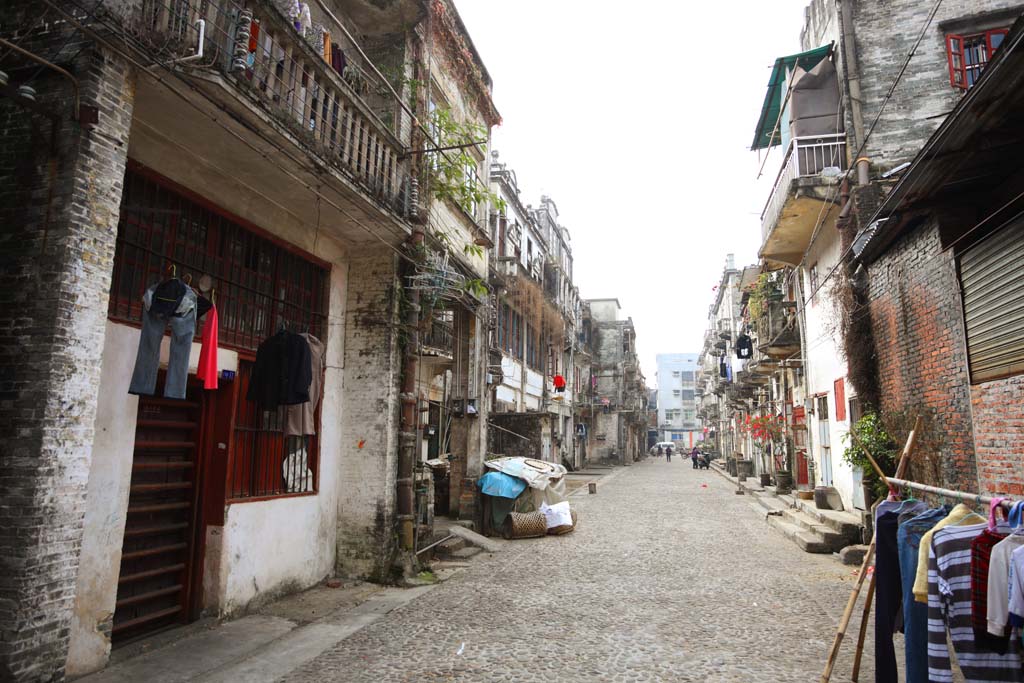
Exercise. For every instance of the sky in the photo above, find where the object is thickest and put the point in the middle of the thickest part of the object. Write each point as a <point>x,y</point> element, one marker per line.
<point>637,120</point>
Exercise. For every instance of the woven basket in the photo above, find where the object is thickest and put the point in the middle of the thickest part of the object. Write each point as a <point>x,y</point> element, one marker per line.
<point>565,528</point>
<point>526,525</point>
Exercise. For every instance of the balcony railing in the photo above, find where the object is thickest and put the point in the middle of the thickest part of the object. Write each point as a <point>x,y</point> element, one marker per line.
<point>322,96</point>
<point>438,339</point>
<point>777,334</point>
<point>805,157</point>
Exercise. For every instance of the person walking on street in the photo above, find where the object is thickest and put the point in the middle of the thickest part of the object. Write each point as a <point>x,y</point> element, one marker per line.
<point>661,451</point>
<point>668,453</point>
<point>694,455</point>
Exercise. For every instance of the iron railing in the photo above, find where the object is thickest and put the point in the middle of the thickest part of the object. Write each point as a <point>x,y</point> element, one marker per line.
<point>805,156</point>
<point>315,84</point>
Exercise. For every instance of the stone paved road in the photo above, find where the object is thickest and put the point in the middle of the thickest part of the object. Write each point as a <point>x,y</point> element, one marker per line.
<point>664,580</point>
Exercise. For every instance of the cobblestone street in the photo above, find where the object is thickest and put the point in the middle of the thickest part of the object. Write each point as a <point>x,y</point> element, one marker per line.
<point>664,579</point>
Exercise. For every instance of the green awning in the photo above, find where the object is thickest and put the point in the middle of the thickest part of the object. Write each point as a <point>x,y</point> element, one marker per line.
<point>773,98</point>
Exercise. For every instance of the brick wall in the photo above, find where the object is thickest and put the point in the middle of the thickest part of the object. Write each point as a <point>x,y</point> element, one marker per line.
<point>999,434</point>
<point>59,208</point>
<point>919,338</point>
<point>369,418</point>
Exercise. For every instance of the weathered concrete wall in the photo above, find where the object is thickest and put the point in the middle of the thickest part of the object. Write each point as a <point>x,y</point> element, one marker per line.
<point>59,209</point>
<point>924,95</point>
<point>916,316</point>
<point>528,425</point>
<point>369,417</point>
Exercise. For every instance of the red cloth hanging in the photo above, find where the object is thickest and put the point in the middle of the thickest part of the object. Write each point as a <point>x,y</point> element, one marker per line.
<point>559,382</point>
<point>207,370</point>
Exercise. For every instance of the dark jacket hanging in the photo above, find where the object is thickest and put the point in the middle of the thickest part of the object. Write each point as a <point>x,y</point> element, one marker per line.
<point>282,372</point>
<point>744,347</point>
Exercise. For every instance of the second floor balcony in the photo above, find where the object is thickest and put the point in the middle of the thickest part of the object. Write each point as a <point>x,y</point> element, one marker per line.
<point>296,89</point>
<point>809,177</point>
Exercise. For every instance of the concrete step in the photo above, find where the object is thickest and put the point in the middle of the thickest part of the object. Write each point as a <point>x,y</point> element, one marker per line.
<point>825,534</point>
<point>846,524</point>
<point>808,541</point>
<point>466,553</point>
<point>448,549</point>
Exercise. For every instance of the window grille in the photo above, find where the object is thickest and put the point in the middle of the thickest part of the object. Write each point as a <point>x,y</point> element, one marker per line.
<point>257,284</point>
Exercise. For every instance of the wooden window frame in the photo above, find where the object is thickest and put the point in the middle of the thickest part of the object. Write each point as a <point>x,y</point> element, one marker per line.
<point>956,56</point>
<point>839,387</point>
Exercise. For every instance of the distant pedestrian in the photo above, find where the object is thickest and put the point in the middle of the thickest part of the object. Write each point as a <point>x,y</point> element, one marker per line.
<point>668,453</point>
<point>661,450</point>
<point>695,456</point>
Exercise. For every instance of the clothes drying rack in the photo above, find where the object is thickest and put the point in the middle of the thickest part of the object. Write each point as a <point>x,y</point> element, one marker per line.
<point>960,496</point>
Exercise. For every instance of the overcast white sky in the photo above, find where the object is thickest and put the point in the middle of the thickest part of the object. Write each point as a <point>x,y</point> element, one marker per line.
<point>637,119</point>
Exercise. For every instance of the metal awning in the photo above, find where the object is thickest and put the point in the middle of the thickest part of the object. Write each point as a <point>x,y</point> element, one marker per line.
<point>773,99</point>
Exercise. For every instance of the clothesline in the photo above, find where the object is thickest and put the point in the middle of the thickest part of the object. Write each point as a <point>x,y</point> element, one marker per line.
<point>949,493</point>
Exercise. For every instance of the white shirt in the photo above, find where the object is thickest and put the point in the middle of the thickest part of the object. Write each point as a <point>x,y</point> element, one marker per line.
<point>999,582</point>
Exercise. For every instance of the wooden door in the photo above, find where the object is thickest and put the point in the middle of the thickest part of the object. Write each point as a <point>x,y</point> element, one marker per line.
<point>158,552</point>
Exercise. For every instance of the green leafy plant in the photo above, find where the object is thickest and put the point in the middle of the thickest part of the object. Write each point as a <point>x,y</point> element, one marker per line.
<point>764,288</point>
<point>452,171</point>
<point>872,435</point>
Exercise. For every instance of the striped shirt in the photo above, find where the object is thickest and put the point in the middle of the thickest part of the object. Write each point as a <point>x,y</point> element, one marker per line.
<point>949,606</point>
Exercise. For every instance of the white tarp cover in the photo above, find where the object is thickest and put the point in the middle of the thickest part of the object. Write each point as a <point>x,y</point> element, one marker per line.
<point>547,479</point>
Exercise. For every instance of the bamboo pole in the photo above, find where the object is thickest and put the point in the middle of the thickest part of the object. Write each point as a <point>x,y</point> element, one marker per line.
<point>863,628</point>
<point>844,622</point>
<point>833,652</point>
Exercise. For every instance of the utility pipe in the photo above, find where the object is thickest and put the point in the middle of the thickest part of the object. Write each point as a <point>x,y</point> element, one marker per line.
<point>201,25</point>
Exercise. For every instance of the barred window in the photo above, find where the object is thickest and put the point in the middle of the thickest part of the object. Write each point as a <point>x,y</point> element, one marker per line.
<point>257,283</point>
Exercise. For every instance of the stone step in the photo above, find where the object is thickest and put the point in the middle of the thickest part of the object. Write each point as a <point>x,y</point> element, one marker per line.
<point>448,549</point>
<point>846,524</point>
<point>825,534</point>
<point>808,541</point>
<point>466,553</point>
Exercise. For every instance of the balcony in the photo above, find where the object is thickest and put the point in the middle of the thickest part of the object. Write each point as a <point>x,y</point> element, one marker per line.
<point>437,340</point>
<point>809,175</point>
<point>777,334</point>
<point>340,113</point>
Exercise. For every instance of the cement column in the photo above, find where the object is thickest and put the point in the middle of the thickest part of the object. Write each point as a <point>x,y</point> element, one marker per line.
<point>368,463</point>
<point>60,196</point>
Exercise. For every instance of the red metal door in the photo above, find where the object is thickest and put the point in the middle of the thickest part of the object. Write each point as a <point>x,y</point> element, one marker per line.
<point>158,551</point>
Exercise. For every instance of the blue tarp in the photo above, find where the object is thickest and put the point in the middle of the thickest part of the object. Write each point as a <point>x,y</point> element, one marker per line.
<point>501,485</point>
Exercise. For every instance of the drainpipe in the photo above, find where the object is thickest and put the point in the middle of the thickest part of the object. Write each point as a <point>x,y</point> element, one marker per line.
<point>852,71</point>
<point>863,165</point>
<point>410,412</point>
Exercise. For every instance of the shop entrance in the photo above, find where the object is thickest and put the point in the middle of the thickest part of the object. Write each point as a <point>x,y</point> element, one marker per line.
<point>158,553</point>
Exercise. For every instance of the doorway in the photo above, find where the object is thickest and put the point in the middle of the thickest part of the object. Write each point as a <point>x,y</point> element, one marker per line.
<point>158,552</point>
<point>824,440</point>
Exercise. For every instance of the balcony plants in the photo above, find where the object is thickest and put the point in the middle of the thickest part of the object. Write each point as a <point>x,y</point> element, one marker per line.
<point>767,287</point>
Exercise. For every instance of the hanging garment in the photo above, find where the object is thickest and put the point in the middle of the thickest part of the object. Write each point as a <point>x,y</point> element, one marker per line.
<point>949,607</point>
<point>559,383</point>
<point>162,307</point>
<point>915,615</point>
<point>744,346</point>
<point>723,367</point>
<point>956,515</point>
<point>207,370</point>
<point>282,372</point>
<point>888,584</point>
<point>981,554</point>
<point>300,419</point>
<point>1016,587</point>
<point>999,583</point>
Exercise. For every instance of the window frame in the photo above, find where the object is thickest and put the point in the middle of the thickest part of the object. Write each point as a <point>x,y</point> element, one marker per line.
<point>956,58</point>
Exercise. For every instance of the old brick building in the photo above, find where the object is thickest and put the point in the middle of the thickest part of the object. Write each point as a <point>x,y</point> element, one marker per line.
<point>943,259</point>
<point>269,161</point>
<point>847,124</point>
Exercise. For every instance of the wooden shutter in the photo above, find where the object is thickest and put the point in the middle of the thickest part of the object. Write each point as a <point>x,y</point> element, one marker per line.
<point>955,57</point>
<point>840,390</point>
<point>992,277</point>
